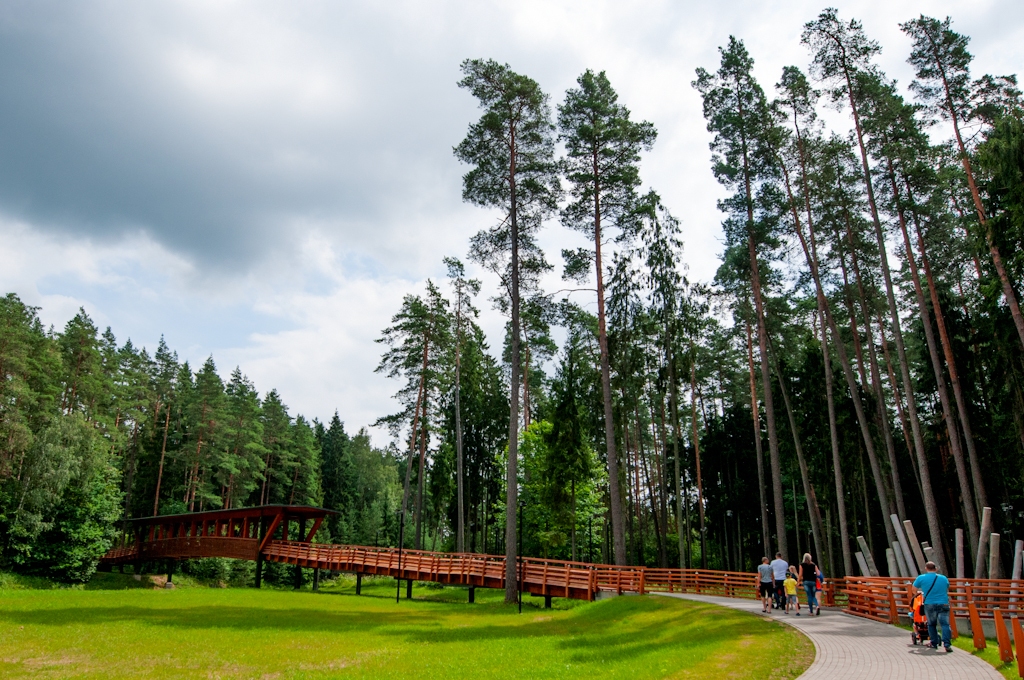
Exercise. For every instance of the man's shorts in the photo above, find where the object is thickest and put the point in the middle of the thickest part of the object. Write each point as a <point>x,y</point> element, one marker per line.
<point>767,589</point>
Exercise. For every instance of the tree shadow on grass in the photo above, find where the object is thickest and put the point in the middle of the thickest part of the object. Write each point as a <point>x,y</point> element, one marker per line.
<point>608,632</point>
<point>229,617</point>
<point>615,631</point>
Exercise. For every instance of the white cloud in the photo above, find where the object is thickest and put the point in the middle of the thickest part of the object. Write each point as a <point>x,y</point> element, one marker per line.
<point>264,181</point>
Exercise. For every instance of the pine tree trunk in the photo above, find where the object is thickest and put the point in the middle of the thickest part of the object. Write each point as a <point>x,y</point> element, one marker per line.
<point>614,492</point>
<point>526,386</point>
<point>812,508</point>
<point>844,532</point>
<point>130,476</point>
<point>662,481</point>
<point>460,484</point>
<point>419,477</point>
<point>700,484</point>
<point>415,429</point>
<point>676,435</point>
<point>879,236</point>
<point>811,255</point>
<point>573,532</point>
<point>884,498</point>
<point>756,417</point>
<point>512,469</point>
<point>954,376</point>
<point>762,339</point>
<point>882,414</point>
<point>967,497</point>
<point>897,399</point>
<point>160,469</point>
<point>650,492</point>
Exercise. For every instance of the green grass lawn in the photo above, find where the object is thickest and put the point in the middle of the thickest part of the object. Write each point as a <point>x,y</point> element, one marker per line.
<point>195,632</point>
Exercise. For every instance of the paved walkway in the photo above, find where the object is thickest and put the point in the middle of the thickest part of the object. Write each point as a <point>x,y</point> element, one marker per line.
<point>851,648</point>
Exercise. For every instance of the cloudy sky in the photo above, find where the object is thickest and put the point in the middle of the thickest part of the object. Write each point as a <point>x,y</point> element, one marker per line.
<point>263,181</point>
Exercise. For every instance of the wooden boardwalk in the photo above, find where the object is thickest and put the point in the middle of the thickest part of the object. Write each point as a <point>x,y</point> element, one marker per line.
<point>279,533</point>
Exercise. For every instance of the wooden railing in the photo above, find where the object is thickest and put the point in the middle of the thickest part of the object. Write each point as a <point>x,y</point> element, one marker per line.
<point>886,599</point>
<point>236,534</point>
<point>556,578</point>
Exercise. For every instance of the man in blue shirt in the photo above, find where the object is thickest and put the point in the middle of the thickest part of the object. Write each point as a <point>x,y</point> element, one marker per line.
<point>935,587</point>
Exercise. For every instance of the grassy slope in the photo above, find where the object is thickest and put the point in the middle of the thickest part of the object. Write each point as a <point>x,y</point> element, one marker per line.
<point>241,633</point>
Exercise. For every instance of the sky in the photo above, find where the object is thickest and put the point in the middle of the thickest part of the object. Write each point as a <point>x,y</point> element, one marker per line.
<point>263,182</point>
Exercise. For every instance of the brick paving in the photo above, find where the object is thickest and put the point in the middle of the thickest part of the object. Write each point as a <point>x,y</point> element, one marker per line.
<point>851,648</point>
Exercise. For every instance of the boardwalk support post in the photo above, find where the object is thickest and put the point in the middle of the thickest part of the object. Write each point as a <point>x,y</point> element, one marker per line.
<point>1018,642</point>
<point>359,583</point>
<point>301,535</point>
<point>547,602</point>
<point>976,632</point>
<point>408,589</point>
<point>1002,637</point>
<point>316,579</point>
<point>472,594</point>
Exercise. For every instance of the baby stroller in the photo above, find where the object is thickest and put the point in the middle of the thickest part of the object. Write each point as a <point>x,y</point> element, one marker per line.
<point>919,634</point>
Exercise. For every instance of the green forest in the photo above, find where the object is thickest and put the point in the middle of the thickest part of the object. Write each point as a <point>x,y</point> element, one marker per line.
<point>859,354</point>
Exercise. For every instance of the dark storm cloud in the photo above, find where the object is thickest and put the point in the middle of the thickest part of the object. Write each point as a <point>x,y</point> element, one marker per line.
<point>215,132</point>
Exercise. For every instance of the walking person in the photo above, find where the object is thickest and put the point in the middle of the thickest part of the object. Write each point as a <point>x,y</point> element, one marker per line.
<point>935,587</point>
<point>809,576</point>
<point>765,584</point>
<point>791,599</point>
<point>779,569</point>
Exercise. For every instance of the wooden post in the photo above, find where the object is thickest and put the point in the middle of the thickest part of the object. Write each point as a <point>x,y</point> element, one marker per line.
<point>298,569</point>
<point>959,553</point>
<point>908,557</point>
<point>261,529</point>
<point>1002,637</point>
<point>993,555</point>
<point>1018,643</point>
<point>976,631</point>
<point>929,556</point>
<point>1018,547</point>
<point>901,560</point>
<point>359,583</point>
<point>863,564</point>
<point>472,594</point>
<point>547,602</point>
<point>986,529</point>
<point>872,569</point>
<point>894,616</point>
<point>408,589</point>
<point>890,560</point>
<point>915,545</point>
<point>954,633</point>
<point>316,579</point>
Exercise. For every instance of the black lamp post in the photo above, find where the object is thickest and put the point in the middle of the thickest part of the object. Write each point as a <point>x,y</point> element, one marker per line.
<point>401,540</point>
<point>520,554</point>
